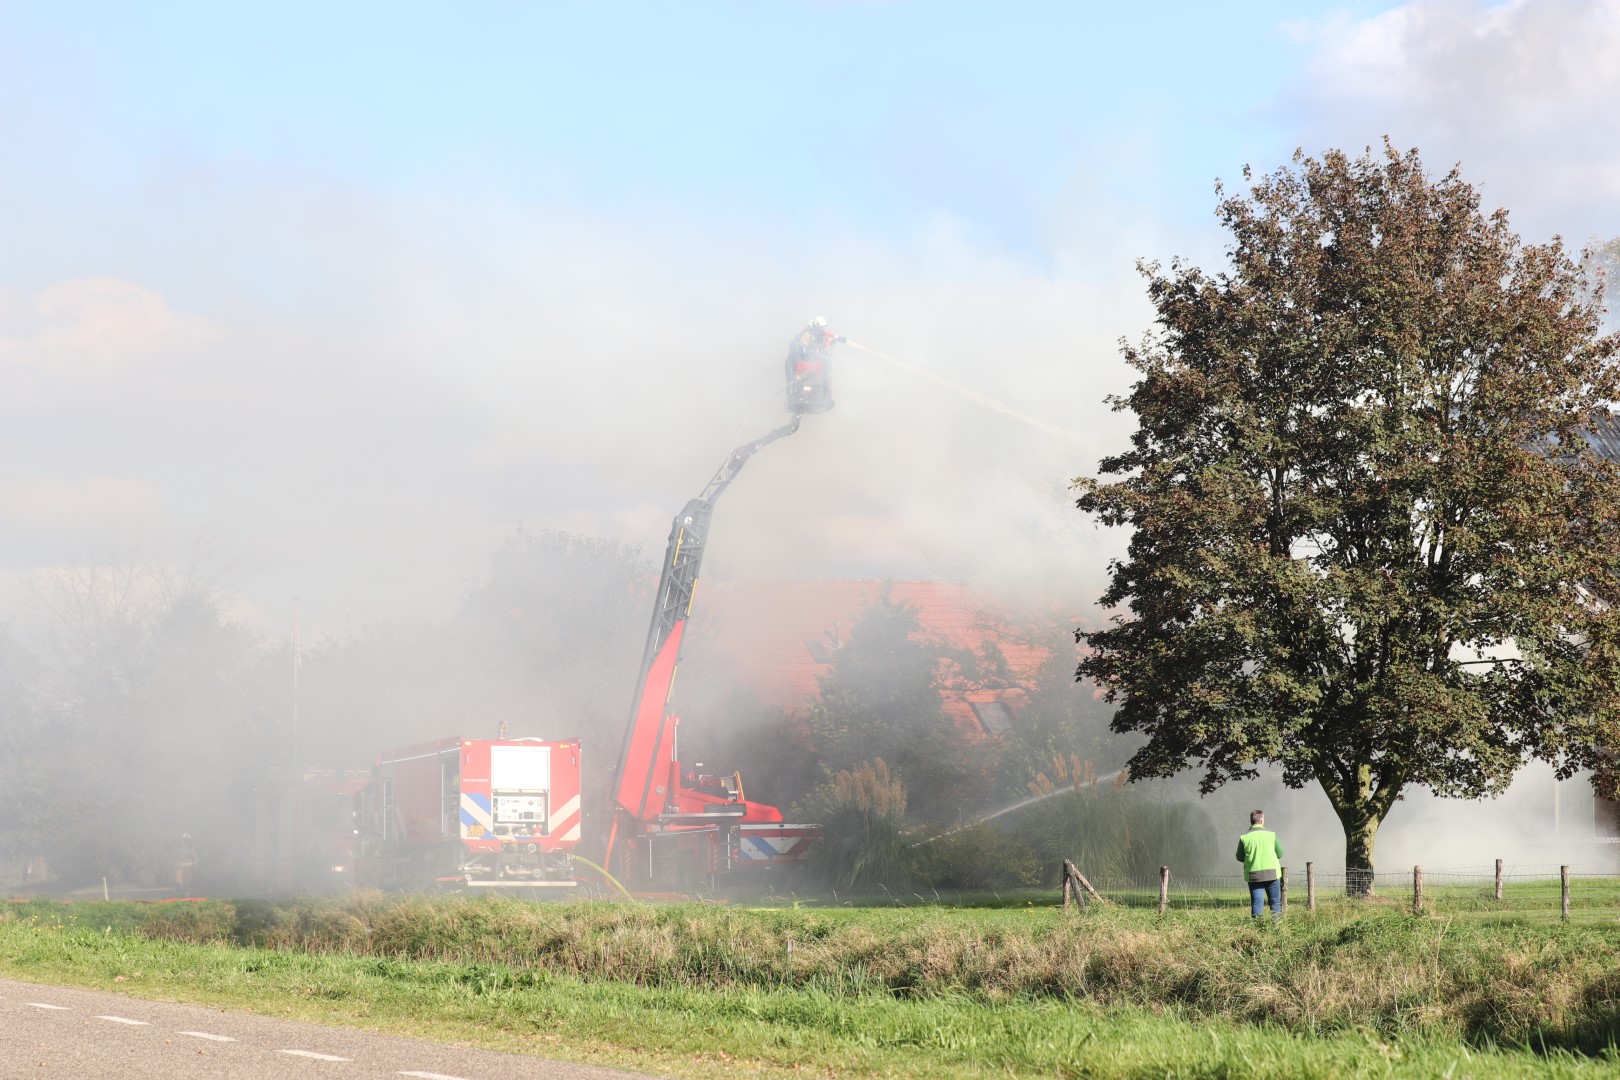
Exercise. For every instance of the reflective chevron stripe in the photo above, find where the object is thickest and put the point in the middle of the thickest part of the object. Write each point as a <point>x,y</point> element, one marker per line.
<point>475,811</point>
<point>565,823</point>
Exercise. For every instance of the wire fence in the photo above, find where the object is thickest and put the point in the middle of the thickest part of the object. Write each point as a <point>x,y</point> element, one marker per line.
<point>1509,892</point>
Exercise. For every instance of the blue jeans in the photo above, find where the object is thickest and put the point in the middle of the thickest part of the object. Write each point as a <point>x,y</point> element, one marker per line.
<point>1263,892</point>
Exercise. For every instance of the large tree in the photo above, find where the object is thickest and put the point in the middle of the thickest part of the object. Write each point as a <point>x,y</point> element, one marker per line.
<point>142,719</point>
<point>1369,540</point>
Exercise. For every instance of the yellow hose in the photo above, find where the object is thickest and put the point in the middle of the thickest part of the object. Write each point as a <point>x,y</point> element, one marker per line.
<point>611,879</point>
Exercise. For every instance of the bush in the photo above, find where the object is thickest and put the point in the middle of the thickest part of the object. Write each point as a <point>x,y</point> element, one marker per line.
<point>863,847</point>
<point>980,856</point>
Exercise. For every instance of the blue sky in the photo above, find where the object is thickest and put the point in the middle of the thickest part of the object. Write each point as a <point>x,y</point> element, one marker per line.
<point>353,289</point>
<point>875,114</point>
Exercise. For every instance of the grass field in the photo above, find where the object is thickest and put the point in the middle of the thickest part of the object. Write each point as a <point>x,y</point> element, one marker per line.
<point>1355,990</point>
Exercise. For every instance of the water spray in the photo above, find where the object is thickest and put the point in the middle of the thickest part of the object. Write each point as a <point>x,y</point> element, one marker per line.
<point>1019,805</point>
<point>972,395</point>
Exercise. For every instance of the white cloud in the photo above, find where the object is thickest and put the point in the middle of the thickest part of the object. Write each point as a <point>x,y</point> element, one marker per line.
<point>1522,94</point>
<point>89,326</point>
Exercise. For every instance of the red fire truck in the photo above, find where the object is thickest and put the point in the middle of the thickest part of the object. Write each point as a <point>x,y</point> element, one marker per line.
<point>476,813</point>
<point>482,813</point>
<point>672,825</point>
<point>310,831</point>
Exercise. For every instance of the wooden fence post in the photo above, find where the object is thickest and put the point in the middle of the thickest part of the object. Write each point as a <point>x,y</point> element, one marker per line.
<point>1417,890</point>
<point>1072,881</point>
<point>1310,886</point>
<point>1080,881</point>
<point>1164,888</point>
<point>1563,881</point>
<point>1499,879</point>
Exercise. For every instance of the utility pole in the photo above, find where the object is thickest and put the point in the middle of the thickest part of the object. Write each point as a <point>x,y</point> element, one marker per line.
<point>297,662</point>
<point>1557,798</point>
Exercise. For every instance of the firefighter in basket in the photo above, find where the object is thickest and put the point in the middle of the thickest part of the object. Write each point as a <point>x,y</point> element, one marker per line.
<point>809,378</point>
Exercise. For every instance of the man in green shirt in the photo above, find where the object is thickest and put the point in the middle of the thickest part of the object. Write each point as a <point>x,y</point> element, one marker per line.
<point>1260,852</point>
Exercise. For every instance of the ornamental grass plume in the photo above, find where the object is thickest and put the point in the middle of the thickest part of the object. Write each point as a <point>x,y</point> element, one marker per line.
<point>863,847</point>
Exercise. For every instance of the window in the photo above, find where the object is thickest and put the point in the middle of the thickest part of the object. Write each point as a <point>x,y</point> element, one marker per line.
<point>993,716</point>
<point>818,651</point>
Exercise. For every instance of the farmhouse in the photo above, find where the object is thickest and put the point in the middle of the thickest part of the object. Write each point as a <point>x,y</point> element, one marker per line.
<point>779,637</point>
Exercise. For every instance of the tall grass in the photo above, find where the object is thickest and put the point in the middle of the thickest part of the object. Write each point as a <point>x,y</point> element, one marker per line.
<point>1382,971</point>
<point>1109,830</point>
<point>784,1031</point>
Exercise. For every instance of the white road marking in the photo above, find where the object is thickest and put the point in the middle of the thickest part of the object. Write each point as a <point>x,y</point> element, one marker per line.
<point>433,1076</point>
<point>42,1005</point>
<point>313,1054</point>
<point>205,1035</point>
<point>122,1020</point>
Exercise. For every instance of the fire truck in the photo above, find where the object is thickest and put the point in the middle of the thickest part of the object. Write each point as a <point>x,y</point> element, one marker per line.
<point>310,834</point>
<point>673,825</point>
<point>476,813</point>
<point>507,813</point>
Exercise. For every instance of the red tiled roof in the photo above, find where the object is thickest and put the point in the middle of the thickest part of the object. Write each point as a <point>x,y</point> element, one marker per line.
<point>763,631</point>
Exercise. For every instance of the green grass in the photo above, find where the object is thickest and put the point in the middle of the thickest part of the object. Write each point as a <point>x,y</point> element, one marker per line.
<point>689,989</point>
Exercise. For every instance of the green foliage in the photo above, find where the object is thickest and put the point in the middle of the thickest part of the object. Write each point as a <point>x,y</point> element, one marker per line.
<point>774,753</point>
<point>25,742</point>
<point>140,711</point>
<point>559,617</point>
<point>1601,261</point>
<point>881,699</point>
<point>1366,526</point>
<point>863,848</point>
<point>546,642</point>
<point>979,857</point>
<point>148,721</point>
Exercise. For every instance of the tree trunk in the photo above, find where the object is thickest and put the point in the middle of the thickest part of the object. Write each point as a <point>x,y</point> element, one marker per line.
<point>1361,807</point>
<point>1359,834</point>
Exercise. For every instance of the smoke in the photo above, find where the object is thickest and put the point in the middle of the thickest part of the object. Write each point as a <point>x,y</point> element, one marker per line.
<point>1520,826</point>
<point>359,390</point>
<point>370,408</point>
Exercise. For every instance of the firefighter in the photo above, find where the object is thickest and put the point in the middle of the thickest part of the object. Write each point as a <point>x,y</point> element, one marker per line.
<point>808,385</point>
<point>811,343</point>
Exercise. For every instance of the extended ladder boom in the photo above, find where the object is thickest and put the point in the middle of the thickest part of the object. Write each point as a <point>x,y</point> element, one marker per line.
<point>639,787</point>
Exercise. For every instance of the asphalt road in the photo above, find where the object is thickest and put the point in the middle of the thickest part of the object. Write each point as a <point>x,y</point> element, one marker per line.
<point>56,1031</point>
